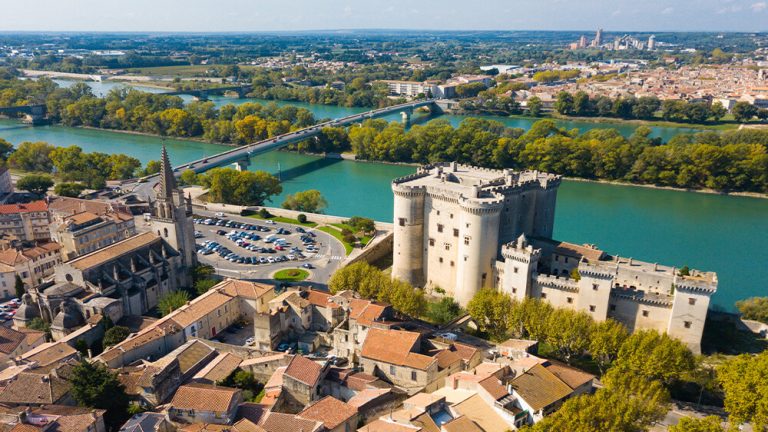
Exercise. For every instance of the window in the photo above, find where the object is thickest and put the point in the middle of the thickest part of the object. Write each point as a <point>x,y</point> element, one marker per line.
<point>569,300</point>
<point>466,240</point>
<point>447,246</point>
<point>516,269</point>
<point>438,212</point>
<point>592,308</point>
<point>566,260</point>
<point>431,242</point>
<point>514,290</point>
<point>691,301</point>
<point>645,313</point>
<point>595,287</point>
<point>440,259</point>
<point>452,264</point>
<point>455,232</point>
<point>557,258</point>
<point>392,370</point>
<point>439,228</point>
<point>401,221</point>
<point>687,324</point>
<point>543,295</point>
<point>612,307</point>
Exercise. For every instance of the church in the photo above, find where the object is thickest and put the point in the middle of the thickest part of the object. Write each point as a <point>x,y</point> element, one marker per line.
<point>127,277</point>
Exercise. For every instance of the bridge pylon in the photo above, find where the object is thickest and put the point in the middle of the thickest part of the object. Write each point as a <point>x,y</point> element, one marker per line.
<point>243,164</point>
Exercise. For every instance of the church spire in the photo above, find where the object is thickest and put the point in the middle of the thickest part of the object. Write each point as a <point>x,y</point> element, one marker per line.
<point>167,179</point>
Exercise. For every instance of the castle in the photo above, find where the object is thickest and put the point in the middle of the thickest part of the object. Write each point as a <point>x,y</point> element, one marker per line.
<point>464,228</point>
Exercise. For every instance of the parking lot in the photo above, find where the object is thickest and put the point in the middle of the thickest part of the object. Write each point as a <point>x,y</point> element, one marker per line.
<point>8,310</point>
<point>256,249</point>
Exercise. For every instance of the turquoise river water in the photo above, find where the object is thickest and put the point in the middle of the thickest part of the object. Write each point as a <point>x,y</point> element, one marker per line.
<point>725,234</point>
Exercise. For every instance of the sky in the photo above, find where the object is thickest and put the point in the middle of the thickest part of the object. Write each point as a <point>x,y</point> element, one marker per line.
<point>291,15</point>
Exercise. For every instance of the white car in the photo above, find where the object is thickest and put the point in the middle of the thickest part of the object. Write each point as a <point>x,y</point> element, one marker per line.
<point>220,215</point>
<point>250,341</point>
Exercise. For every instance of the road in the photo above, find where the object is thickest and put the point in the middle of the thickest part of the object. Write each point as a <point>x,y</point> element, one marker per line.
<point>325,262</point>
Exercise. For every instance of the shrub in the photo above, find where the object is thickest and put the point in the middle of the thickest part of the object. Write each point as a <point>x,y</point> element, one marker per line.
<point>302,218</point>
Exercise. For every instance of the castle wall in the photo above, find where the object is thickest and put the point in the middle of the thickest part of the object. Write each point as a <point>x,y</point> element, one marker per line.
<point>478,237</point>
<point>637,315</point>
<point>688,315</point>
<point>407,260</point>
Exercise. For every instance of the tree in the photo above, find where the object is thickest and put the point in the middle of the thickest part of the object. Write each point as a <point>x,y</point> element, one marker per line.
<point>564,103</point>
<point>188,177</point>
<point>19,286</point>
<point>569,332</point>
<point>153,167</point>
<point>443,311</point>
<point>360,277</point>
<point>172,301</point>
<point>362,224</point>
<point>203,285</point>
<point>36,184</point>
<point>95,386</point>
<point>115,335</point>
<point>310,201</point>
<point>302,218</point>
<point>605,342</point>
<point>706,424</point>
<point>230,186</point>
<point>717,111</point>
<point>32,156</point>
<point>655,356</point>
<point>69,189</point>
<point>755,308</point>
<point>6,149</point>
<point>742,111</point>
<point>534,106</point>
<point>744,380</point>
<point>490,310</point>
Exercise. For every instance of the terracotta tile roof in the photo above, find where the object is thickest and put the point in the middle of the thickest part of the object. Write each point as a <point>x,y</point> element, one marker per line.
<point>279,422</point>
<point>264,359</point>
<point>114,250</point>
<point>253,412</point>
<point>23,427</point>
<point>380,425</point>
<point>494,387</point>
<point>482,414</point>
<point>10,340</point>
<point>77,205</point>
<point>447,358</point>
<point>200,307</point>
<point>321,299</point>
<point>540,387</point>
<point>81,218</point>
<point>461,424</point>
<point>71,419</point>
<point>34,206</point>
<point>31,336</point>
<point>40,249</point>
<point>48,354</point>
<point>466,352</point>
<point>246,425</point>
<point>245,289</point>
<point>203,397</point>
<point>366,396</point>
<point>395,347</point>
<point>330,411</point>
<point>219,368</point>
<point>33,388</point>
<point>365,312</point>
<point>192,355</point>
<point>572,377</point>
<point>304,370</point>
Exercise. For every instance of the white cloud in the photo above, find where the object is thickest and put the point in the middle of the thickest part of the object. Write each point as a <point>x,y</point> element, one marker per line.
<point>759,6</point>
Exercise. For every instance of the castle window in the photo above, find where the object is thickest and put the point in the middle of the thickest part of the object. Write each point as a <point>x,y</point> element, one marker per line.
<point>691,301</point>
<point>451,215</point>
<point>440,259</point>
<point>543,295</point>
<point>516,269</point>
<point>438,212</point>
<point>431,242</point>
<point>595,287</point>
<point>455,232</point>
<point>466,240</point>
<point>485,275</point>
<point>514,290</point>
<point>592,308</point>
<point>452,264</point>
<point>439,228</point>
<point>569,300</point>
<point>612,307</point>
<point>447,246</point>
<point>465,258</point>
<point>645,313</point>
<point>401,221</point>
<point>687,324</point>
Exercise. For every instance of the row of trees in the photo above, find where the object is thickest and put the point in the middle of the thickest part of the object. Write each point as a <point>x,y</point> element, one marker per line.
<point>736,160</point>
<point>372,283</point>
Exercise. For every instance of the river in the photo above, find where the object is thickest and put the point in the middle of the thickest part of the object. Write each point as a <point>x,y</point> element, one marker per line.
<point>709,232</point>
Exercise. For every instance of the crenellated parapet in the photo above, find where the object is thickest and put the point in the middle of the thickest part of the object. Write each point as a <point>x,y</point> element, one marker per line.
<point>554,282</point>
<point>642,297</point>
<point>480,208</point>
<point>595,272</point>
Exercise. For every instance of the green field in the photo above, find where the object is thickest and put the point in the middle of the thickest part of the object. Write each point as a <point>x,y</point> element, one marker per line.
<point>337,234</point>
<point>309,224</point>
<point>291,275</point>
<point>181,71</point>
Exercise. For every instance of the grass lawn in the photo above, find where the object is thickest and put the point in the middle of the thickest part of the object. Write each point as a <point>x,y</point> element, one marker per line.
<point>337,234</point>
<point>291,275</point>
<point>309,224</point>
<point>364,239</point>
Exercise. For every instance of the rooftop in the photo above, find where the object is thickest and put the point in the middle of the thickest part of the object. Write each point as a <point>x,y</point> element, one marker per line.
<point>395,347</point>
<point>34,206</point>
<point>204,397</point>
<point>114,251</point>
<point>304,370</point>
<point>540,387</point>
<point>330,411</point>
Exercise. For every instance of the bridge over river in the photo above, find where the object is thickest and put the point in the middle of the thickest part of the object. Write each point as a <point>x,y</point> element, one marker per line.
<point>241,156</point>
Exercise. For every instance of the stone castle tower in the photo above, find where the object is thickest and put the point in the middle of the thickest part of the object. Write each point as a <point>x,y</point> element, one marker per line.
<point>172,216</point>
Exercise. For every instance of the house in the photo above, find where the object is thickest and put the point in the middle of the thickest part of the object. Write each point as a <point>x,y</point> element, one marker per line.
<point>28,222</point>
<point>335,415</point>
<point>14,343</point>
<point>203,403</point>
<point>281,422</point>
<point>32,263</point>
<point>148,422</point>
<point>85,232</point>
<point>63,418</point>
<point>301,383</point>
<point>396,356</point>
<point>37,389</point>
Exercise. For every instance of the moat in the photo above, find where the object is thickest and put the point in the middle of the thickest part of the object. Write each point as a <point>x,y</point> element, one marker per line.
<point>709,232</point>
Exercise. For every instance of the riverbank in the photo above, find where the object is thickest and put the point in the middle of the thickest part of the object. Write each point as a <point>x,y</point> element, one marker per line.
<point>633,122</point>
